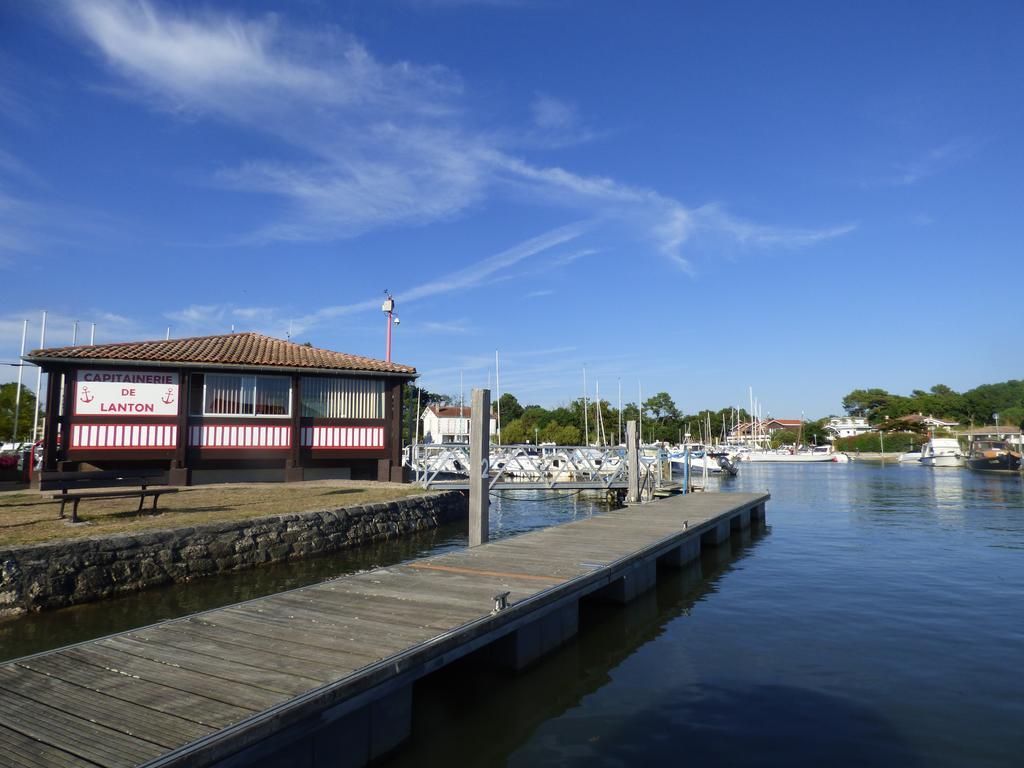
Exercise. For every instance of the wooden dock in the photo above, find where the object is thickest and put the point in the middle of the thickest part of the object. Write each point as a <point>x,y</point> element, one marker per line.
<point>323,674</point>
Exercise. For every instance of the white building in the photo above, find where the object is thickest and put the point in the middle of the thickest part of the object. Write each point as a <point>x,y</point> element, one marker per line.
<point>933,423</point>
<point>847,426</point>
<point>449,424</point>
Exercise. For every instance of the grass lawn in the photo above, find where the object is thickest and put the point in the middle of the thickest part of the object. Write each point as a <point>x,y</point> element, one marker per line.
<point>28,517</point>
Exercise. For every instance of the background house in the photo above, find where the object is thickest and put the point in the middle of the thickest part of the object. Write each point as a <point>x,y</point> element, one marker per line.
<point>847,426</point>
<point>449,424</point>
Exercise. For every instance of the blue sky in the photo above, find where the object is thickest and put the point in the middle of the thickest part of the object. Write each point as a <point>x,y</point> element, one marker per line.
<point>804,197</point>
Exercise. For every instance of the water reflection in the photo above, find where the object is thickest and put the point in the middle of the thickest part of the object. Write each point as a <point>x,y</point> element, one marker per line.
<point>502,712</point>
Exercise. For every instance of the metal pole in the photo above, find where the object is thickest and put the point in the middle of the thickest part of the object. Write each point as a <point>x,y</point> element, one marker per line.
<point>751,415</point>
<point>497,395</point>
<point>640,408</point>
<point>168,336</point>
<point>39,381</point>
<point>479,461</point>
<point>620,412</point>
<point>74,334</point>
<point>419,395</point>
<point>389,338</point>
<point>92,335</point>
<point>389,307</point>
<point>632,464</point>
<point>586,424</point>
<point>21,370</point>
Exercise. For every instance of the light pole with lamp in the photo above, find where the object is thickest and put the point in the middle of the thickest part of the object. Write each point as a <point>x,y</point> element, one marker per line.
<point>388,307</point>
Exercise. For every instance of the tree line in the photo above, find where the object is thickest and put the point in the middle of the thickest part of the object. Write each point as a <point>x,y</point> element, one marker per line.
<point>663,420</point>
<point>26,412</point>
<point>979,405</point>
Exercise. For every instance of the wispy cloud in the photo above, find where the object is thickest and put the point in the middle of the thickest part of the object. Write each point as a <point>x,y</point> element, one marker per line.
<point>538,293</point>
<point>203,319</point>
<point>381,144</point>
<point>60,331</point>
<point>485,270</point>
<point>219,318</point>
<point>458,327</point>
<point>556,123</point>
<point>932,162</point>
<point>715,218</point>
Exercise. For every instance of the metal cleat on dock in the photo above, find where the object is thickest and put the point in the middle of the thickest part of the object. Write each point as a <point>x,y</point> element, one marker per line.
<point>500,601</point>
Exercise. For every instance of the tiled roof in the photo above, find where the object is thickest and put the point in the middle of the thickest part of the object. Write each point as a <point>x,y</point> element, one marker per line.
<point>450,411</point>
<point>241,349</point>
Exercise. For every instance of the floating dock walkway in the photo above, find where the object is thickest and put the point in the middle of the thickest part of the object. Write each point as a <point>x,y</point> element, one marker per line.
<point>324,674</point>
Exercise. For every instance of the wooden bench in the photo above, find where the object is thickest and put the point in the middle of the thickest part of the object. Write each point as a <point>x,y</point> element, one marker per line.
<point>133,484</point>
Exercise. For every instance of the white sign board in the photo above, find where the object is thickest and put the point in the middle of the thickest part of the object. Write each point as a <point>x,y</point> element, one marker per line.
<point>126,393</point>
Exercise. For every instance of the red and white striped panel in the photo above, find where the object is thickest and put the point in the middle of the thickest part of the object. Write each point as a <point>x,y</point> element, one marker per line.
<point>124,437</point>
<point>342,438</point>
<point>240,436</point>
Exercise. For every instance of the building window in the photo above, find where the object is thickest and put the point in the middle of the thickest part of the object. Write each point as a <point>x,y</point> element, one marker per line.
<point>235,395</point>
<point>337,398</point>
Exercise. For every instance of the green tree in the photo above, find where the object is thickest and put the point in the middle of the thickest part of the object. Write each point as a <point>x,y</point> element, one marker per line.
<point>869,403</point>
<point>661,407</point>
<point>510,409</point>
<point>516,432</point>
<point>783,437</point>
<point>25,412</point>
<point>561,434</point>
<point>814,432</point>
<point>534,415</point>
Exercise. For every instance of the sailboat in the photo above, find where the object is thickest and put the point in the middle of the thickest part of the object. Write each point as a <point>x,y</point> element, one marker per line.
<point>791,455</point>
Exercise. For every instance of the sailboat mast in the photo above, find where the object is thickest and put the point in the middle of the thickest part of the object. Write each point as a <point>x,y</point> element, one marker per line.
<point>640,408</point>
<point>586,423</point>
<point>751,414</point>
<point>620,411</point>
<point>497,388</point>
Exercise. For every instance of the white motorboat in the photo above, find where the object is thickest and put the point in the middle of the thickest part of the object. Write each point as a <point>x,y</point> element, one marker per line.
<point>910,457</point>
<point>943,452</point>
<point>837,456</point>
<point>701,458</point>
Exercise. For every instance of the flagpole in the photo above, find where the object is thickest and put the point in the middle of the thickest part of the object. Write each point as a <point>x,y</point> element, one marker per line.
<point>39,381</point>
<point>497,390</point>
<point>21,370</point>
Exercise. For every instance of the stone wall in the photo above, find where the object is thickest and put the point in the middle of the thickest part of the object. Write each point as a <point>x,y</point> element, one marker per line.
<point>42,576</point>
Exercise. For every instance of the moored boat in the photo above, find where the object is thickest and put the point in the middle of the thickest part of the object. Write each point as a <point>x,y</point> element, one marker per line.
<point>787,456</point>
<point>942,452</point>
<point>993,456</point>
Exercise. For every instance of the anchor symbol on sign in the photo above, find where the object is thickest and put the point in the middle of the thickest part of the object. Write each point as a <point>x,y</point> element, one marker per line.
<point>169,397</point>
<point>86,395</point>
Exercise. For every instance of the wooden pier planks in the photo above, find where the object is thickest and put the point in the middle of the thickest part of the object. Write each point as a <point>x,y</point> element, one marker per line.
<point>129,698</point>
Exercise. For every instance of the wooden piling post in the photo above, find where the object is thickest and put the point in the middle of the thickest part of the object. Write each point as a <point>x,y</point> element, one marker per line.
<point>479,460</point>
<point>632,463</point>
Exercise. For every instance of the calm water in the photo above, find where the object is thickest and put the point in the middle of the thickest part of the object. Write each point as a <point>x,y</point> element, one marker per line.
<point>878,620</point>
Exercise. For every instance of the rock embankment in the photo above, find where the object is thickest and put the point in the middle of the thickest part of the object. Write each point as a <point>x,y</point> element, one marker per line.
<point>43,576</point>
